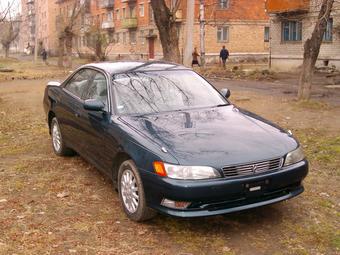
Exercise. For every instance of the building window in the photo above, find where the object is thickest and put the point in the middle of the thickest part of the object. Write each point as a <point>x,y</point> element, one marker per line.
<point>222,34</point>
<point>124,37</point>
<point>124,13</point>
<point>117,14</point>
<point>132,12</point>
<point>141,10</point>
<point>266,34</point>
<point>117,37</point>
<point>151,16</point>
<point>224,4</point>
<point>142,37</point>
<point>109,16</point>
<point>328,36</point>
<point>133,37</point>
<point>292,31</point>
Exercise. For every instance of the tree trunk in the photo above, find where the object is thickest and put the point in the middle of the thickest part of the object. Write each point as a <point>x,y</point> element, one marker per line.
<point>6,51</point>
<point>61,50</point>
<point>168,30</point>
<point>68,45</point>
<point>312,50</point>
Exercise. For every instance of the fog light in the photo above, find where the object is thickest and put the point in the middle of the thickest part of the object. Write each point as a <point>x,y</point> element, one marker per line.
<point>175,204</point>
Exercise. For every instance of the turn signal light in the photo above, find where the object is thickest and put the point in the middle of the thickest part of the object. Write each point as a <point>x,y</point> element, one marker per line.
<point>159,168</point>
<point>175,204</point>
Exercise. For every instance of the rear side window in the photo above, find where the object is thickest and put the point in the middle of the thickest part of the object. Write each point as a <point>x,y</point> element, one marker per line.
<point>79,82</point>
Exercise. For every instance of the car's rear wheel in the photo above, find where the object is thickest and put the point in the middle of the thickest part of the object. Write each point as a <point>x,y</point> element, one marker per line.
<point>131,193</point>
<point>57,140</point>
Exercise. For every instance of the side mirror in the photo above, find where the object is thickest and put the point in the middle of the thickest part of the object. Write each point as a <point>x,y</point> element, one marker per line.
<point>94,105</point>
<point>226,93</point>
<point>53,83</point>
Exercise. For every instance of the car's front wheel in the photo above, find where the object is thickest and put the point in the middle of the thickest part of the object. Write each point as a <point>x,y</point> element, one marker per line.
<point>57,140</point>
<point>131,193</point>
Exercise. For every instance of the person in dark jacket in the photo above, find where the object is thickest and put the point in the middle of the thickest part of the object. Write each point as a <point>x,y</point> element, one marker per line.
<point>224,55</point>
<point>44,56</point>
<point>195,56</point>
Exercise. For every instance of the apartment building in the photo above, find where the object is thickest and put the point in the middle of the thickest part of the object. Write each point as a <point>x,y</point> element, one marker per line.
<point>27,26</point>
<point>38,19</point>
<point>291,24</point>
<point>241,25</point>
<point>46,29</point>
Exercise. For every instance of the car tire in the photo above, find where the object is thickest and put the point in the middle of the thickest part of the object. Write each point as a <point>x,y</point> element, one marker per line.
<point>131,193</point>
<point>58,143</point>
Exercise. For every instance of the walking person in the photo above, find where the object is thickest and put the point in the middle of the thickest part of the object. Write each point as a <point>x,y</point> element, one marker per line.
<point>224,55</point>
<point>44,56</point>
<point>195,56</point>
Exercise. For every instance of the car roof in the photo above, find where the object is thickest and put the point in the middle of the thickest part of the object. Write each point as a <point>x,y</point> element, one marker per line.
<point>136,66</point>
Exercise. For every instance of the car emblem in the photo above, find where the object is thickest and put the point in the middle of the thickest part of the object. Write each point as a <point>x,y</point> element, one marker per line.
<point>254,168</point>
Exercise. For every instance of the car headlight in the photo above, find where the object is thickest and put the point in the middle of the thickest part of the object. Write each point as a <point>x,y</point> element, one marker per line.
<point>294,157</point>
<point>185,172</point>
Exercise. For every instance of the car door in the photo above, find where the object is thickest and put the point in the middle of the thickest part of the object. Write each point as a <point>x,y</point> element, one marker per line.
<point>100,145</point>
<point>70,108</point>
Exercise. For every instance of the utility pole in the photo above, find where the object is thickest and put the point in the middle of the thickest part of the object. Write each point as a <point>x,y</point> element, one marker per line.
<point>36,42</point>
<point>189,32</point>
<point>202,33</point>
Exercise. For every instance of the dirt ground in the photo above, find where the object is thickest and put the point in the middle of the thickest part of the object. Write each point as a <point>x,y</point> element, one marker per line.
<point>53,205</point>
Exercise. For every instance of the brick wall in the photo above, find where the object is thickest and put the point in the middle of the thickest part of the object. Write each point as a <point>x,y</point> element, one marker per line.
<point>289,55</point>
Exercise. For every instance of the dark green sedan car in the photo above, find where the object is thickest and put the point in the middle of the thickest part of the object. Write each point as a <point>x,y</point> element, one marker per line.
<point>171,142</point>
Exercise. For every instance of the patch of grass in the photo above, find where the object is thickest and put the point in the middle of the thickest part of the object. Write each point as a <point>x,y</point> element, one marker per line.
<point>320,147</point>
<point>312,105</point>
<point>336,240</point>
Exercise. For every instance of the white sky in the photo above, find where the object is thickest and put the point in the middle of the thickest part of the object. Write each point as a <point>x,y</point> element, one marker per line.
<point>15,6</point>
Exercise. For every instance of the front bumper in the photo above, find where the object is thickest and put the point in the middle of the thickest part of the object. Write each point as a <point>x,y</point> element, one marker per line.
<point>220,196</point>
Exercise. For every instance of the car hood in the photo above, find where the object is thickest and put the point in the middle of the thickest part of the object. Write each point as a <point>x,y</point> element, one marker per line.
<point>216,136</point>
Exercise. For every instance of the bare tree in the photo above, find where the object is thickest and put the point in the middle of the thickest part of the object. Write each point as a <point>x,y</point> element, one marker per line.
<point>99,42</point>
<point>9,30</point>
<point>66,30</point>
<point>4,12</point>
<point>165,19</point>
<point>312,50</point>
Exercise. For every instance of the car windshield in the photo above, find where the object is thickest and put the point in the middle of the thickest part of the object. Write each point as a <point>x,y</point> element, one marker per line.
<point>154,92</point>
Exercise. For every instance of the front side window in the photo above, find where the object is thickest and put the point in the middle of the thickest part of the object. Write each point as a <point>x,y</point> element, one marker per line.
<point>291,31</point>
<point>328,35</point>
<point>78,82</point>
<point>222,34</point>
<point>97,88</point>
<point>153,92</point>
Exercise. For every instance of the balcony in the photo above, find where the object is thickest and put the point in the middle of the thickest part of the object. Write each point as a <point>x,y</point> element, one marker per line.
<point>108,25</point>
<point>129,23</point>
<point>285,6</point>
<point>106,4</point>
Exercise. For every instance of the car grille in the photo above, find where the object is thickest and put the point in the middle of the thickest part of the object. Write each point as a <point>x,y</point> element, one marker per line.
<point>252,168</point>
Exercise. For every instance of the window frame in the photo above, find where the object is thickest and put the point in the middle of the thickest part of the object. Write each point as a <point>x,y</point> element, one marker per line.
<point>227,33</point>
<point>266,34</point>
<point>328,31</point>
<point>141,10</point>
<point>223,4</point>
<point>299,29</point>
